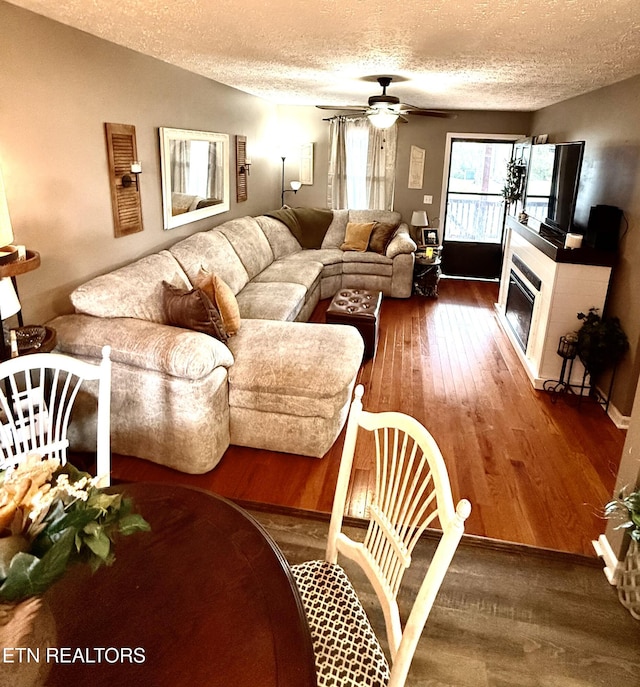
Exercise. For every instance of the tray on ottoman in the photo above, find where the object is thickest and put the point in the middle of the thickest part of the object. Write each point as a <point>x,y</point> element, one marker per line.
<point>361,309</point>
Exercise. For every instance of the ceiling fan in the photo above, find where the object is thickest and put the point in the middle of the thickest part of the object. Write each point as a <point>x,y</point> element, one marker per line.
<point>384,110</point>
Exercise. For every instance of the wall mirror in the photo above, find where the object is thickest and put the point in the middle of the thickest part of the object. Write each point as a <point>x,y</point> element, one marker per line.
<point>195,175</point>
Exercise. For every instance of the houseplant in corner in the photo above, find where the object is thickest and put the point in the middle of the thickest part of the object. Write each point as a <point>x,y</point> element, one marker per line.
<point>626,509</point>
<point>601,343</point>
<point>51,517</point>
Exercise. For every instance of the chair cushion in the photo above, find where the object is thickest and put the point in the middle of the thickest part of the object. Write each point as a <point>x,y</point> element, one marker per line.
<point>346,649</point>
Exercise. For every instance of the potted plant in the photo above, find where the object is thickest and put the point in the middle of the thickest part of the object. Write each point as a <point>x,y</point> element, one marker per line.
<point>626,509</point>
<point>601,342</point>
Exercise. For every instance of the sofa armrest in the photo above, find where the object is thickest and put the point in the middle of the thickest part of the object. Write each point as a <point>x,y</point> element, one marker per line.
<point>401,242</point>
<point>139,343</point>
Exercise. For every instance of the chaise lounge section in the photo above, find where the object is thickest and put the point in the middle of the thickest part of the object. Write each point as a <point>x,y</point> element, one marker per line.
<point>180,397</point>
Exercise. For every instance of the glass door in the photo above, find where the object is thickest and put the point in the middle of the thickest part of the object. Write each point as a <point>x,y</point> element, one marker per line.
<point>474,209</point>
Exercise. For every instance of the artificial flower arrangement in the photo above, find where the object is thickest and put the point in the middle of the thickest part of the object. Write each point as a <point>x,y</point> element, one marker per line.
<point>52,517</point>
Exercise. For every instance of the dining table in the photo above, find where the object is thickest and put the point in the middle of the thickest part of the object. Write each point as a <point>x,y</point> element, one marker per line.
<point>204,598</point>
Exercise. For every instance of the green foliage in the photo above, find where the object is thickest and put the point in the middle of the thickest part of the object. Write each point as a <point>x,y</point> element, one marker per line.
<point>76,530</point>
<point>601,342</point>
<point>626,509</point>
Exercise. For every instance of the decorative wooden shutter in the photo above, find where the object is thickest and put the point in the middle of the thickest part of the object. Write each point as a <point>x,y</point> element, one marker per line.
<point>125,199</point>
<point>242,171</point>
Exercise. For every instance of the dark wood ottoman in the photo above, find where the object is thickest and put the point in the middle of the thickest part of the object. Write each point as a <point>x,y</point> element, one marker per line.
<point>361,309</point>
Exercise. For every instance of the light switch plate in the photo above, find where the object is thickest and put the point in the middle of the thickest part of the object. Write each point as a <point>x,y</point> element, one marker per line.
<point>428,200</point>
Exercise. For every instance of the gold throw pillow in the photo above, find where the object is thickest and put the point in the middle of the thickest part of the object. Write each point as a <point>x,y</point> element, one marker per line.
<point>357,236</point>
<point>223,297</point>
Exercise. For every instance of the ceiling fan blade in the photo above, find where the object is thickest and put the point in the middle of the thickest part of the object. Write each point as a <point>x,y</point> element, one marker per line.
<point>350,108</point>
<point>427,113</point>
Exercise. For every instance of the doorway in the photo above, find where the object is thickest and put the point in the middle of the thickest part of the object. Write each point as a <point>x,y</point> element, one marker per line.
<point>473,208</point>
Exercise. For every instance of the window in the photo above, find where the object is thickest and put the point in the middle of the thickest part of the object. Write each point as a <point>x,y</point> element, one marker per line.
<point>362,165</point>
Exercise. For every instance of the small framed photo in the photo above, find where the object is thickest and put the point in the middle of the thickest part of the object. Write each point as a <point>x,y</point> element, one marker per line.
<point>429,237</point>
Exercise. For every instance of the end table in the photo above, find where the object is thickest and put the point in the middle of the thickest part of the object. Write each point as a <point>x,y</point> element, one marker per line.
<point>426,273</point>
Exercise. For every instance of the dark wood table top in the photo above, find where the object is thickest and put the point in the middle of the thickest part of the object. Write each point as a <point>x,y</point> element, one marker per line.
<point>205,598</point>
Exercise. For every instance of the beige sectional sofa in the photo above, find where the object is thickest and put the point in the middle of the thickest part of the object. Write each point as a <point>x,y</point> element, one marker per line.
<point>180,397</point>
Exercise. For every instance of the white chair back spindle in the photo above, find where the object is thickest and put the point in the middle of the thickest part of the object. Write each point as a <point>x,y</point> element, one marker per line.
<point>37,396</point>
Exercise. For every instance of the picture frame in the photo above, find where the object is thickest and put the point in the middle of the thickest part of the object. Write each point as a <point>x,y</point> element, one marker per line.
<point>429,236</point>
<point>306,164</point>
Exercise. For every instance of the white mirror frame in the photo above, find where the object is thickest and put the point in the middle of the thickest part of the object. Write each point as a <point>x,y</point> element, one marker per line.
<point>172,221</point>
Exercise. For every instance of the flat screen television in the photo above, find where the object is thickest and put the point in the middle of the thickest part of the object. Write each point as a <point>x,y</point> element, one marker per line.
<point>553,176</point>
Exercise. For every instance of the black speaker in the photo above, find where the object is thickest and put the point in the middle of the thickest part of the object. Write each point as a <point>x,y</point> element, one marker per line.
<point>603,230</point>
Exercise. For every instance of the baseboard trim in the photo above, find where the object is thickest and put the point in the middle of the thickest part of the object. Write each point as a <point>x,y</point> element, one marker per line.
<point>619,420</point>
<point>612,566</point>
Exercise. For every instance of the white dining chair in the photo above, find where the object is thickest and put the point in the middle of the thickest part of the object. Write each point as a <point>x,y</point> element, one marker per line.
<point>412,492</point>
<point>38,393</point>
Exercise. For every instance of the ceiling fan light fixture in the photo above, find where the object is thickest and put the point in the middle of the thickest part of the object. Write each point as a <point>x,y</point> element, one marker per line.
<point>382,118</point>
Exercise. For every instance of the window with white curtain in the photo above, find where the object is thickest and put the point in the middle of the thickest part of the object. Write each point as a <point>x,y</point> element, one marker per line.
<point>362,165</point>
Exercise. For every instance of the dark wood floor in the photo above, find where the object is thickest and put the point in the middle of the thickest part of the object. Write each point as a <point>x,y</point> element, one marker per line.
<point>536,472</point>
<point>504,617</point>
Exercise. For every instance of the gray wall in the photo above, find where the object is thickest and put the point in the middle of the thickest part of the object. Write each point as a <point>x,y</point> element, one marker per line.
<point>425,132</point>
<point>59,86</point>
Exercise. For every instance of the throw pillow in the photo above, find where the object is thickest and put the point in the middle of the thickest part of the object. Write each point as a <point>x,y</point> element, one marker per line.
<point>357,236</point>
<point>192,310</point>
<point>381,237</point>
<point>221,295</point>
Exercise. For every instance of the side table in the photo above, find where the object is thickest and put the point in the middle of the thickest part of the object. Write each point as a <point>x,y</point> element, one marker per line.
<point>426,274</point>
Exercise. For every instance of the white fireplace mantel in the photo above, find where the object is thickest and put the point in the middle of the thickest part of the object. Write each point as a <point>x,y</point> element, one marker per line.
<point>567,288</point>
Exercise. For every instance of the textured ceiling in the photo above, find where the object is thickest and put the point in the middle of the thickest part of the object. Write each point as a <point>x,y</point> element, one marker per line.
<point>455,54</point>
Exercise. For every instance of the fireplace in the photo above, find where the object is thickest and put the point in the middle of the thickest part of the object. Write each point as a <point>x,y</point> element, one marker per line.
<point>540,297</point>
<point>521,299</point>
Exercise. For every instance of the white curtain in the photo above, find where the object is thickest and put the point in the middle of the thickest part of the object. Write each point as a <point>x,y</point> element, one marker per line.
<point>362,162</point>
<point>337,178</point>
<point>381,167</point>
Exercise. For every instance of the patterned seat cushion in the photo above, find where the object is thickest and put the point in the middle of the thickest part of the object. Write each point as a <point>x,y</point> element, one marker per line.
<point>346,649</point>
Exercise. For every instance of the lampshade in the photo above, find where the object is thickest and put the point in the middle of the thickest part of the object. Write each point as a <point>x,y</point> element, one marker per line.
<point>6,230</point>
<point>9,303</point>
<point>295,185</point>
<point>419,218</point>
<point>382,118</point>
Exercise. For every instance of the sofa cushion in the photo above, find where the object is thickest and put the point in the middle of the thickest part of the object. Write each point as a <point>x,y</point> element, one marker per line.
<point>222,297</point>
<point>271,301</point>
<point>192,309</point>
<point>381,236</point>
<point>357,236</point>
<point>299,373</point>
<point>131,291</point>
<point>326,256</point>
<point>367,263</point>
<point>334,237</point>
<point>211,250</point>
<point>305,272</point>
<point>249,242</point>
<point>281,240</point>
